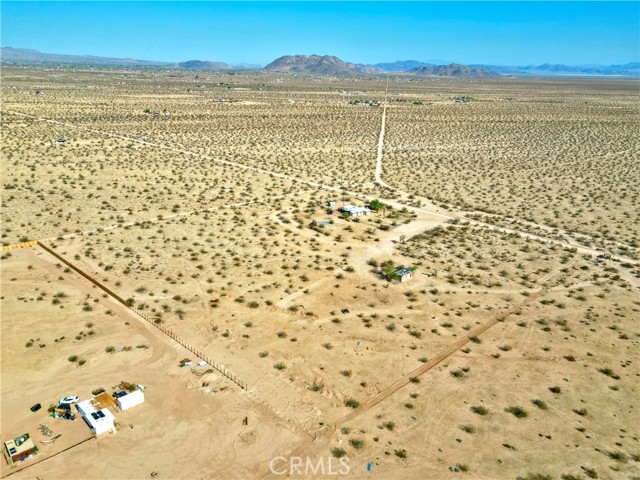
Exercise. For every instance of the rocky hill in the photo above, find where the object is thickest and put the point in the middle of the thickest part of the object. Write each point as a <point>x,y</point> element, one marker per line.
<point>319,65</point>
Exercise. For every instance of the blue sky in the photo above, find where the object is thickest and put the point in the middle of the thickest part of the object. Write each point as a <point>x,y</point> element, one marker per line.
<point>508,33</point>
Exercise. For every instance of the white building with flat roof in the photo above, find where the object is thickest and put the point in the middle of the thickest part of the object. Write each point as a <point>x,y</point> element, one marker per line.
<point>130,400</point>
<point>99,421</point>
<point>355,211</point>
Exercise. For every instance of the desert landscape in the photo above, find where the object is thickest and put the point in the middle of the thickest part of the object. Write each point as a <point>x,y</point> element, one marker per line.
<point>189,234</point>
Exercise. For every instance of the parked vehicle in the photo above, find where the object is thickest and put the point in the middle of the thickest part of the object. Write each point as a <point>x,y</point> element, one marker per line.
<point>36,407</point>
<point>70,399</point>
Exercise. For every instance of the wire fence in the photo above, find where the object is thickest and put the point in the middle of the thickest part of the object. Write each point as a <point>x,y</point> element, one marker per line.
<point>167,331</point>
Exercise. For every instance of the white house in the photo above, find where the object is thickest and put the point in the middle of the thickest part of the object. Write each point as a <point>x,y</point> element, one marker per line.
<point>130,400</point>
<point>355,211</point>
<point>99,421</point>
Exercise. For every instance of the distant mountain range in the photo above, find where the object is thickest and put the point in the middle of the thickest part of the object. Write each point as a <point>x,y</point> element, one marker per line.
<point>402,65</point>
<point>631,69</point>
<point>22,56</point>
<point>200,65</point>
<point>329,65</point>
<point>319,65</point>
<point>325,65</point>
<point>28,56</point>
<point>453,70</point>
<point>628,69</point>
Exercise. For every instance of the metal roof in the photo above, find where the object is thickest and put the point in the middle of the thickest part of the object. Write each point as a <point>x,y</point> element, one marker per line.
<point>353,209</point>
<point>403,271</point>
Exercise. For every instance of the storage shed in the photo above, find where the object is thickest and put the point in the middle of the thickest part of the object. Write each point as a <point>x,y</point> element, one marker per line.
<point>130,400</point>
<point>404,274</point>
<point>19,449</point>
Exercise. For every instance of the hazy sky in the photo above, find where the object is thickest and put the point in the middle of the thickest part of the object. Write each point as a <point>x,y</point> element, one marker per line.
<point>512,33</point>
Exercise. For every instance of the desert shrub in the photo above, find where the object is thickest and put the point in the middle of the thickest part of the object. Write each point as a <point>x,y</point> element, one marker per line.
<point>389,426</point>
<point>479,410</point>
<point>569,476</point>
<point>402,453</point>
<point>279,366</point>
<point>618,456</point>
<point>535,476</point>
<point>609,373</point>
<point>539,403</point>
<point>517,411</point>
<point>467,428</point>
<point>338,452</point>
<point>351,402</point>
<point>356,443</point>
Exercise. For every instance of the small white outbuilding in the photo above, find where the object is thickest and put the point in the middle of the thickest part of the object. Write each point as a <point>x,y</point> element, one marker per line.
<point>130,400</point>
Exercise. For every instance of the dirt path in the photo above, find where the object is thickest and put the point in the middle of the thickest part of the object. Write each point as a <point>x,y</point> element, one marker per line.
<point>288,299</point>
<point>378,173</point>
<point>447,352</point>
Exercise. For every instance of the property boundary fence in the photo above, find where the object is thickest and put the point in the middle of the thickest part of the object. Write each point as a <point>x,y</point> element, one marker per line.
<point>167,331</point>
<point>6,248</point>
